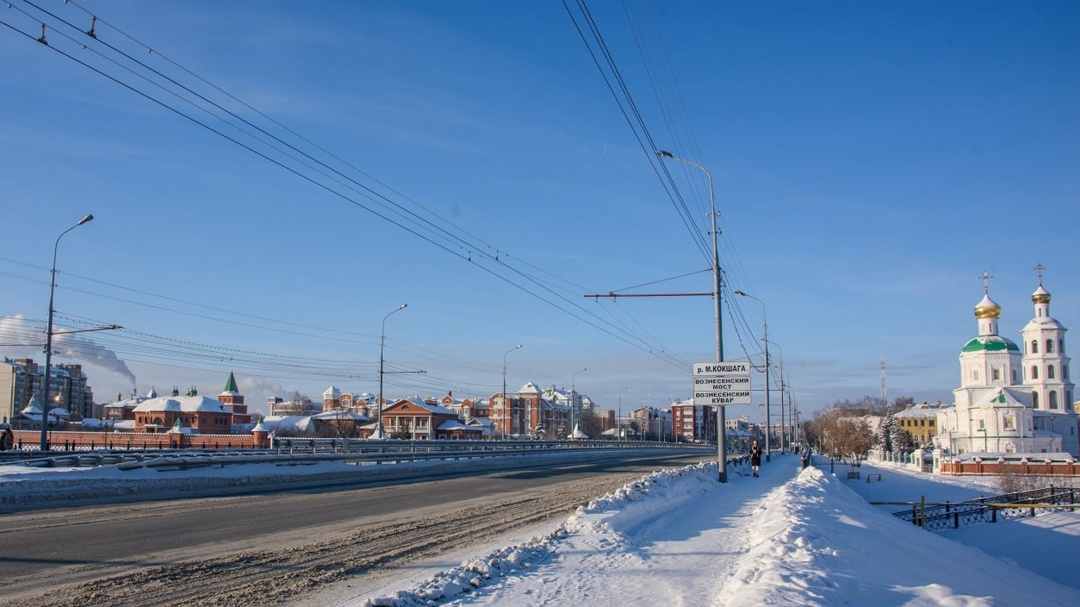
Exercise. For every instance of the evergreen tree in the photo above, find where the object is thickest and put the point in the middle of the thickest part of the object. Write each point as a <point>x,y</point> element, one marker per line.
<point>885,433</point>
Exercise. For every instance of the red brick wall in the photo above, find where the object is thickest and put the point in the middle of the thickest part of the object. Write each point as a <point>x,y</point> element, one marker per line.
<point>995,467</point>
<point>58,440</point>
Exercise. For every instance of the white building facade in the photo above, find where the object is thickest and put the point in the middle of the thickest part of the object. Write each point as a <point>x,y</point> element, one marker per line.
<point>1003,403</point>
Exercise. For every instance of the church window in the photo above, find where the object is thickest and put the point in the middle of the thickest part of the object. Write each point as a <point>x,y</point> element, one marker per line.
<point>1010,422</point>
<point>1049,346</point>
<point>997,374</point>
<point>931,423</point>
<point>1014,376</point>
<point>1053,399</point>
<point>1035,399</point>
<point>1049,371</point>
<point>1034,346</point>
<point>975,373</point>
<point>1034,372</point>
<point>1064,372</point>
<point>1061,346</point>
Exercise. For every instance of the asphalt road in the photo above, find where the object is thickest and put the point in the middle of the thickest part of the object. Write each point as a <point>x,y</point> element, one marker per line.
<point>78,547</point>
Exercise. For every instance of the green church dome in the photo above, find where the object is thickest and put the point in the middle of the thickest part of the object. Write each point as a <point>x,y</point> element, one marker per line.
<point>990,343</point>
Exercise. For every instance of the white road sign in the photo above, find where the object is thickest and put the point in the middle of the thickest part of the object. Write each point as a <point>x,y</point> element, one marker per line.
<point>722,383</point>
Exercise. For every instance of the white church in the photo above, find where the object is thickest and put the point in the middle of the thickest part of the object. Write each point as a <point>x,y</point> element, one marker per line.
<point>1012,399</point>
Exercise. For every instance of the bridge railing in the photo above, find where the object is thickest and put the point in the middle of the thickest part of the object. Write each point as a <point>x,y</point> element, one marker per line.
<point>307,451</point>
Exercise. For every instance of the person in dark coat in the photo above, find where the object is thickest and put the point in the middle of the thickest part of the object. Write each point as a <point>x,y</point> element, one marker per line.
<point>755,457</point>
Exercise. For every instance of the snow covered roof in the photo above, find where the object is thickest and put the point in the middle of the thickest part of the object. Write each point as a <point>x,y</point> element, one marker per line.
<point>293,423</point>
<point>186,404</point>
<point>528,388</point>
<point>332,392</point>
<point>456,425</point>
<point>340,414</point>
<point>429,407</point>
<point>920,411</point>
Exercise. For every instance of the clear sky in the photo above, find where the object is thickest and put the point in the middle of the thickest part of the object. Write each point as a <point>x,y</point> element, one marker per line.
<point>290,173</point>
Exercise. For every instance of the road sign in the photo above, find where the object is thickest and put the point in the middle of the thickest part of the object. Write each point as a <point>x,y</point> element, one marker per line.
<point>722,383</point>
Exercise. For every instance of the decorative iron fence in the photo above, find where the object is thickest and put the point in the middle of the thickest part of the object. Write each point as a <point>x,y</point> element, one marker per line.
<point>989,509</point>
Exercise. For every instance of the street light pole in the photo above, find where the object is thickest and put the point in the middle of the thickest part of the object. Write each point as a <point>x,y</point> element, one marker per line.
<point>768,418</point>
<point>510,428</point>
<point>573,402</point>
<point>720,423</point>
<point>618,421</point>
<point>379,433</point>
<point>48,339</point>
<point>783,386</point>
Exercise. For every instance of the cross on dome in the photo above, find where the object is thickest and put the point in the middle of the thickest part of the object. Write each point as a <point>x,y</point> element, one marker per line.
<point>986,282</point>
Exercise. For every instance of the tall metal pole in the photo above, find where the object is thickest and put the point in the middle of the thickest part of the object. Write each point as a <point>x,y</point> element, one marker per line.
<point>782,388</point>
<point>48,340</point>
<point>720,422</point>
<point>509,428</point>
<point>573,401</point>
<point>768,417</point>
<point>382,346</point>
<point>618,420</point>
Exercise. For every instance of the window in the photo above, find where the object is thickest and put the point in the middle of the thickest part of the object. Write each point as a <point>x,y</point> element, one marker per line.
<point>932,423</point>
<point>1035,399</point>
<point>1034,372</point>
<point>1014,376</point>
<point>1053,399</point>
<point>1009,422</point>
<point>1061,346</point>
<point>997,374</point>
<point>1034,346</point>
<point>1049,346</point>
<point>1050,372</point>
<point>975,373</point>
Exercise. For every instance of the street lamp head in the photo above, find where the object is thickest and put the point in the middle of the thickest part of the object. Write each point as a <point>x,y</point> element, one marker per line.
<point>738,292</point>
<point>402,306</point>
<point>664,154</point>
<point>86,219</point>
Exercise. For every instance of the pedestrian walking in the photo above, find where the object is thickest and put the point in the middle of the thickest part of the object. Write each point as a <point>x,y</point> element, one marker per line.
<point>755,457</point>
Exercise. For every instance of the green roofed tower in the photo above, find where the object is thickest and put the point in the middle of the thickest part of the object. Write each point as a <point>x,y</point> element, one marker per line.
<point>234,401</point>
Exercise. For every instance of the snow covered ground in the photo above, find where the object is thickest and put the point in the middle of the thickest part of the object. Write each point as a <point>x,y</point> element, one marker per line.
<point>790,537</point>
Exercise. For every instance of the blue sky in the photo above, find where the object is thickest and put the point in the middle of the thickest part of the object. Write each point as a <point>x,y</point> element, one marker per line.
<point>870,161</point>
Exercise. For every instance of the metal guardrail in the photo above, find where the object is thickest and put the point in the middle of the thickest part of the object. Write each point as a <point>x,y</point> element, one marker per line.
<point>988,510</point>
<point>308,451</point>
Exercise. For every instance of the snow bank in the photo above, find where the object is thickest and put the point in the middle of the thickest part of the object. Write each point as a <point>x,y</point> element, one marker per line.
<point>626,507</point>
<point>815,542</point>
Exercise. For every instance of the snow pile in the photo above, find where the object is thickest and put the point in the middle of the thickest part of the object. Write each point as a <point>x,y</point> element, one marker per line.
<point>627,506</point>
<point>815,543</point>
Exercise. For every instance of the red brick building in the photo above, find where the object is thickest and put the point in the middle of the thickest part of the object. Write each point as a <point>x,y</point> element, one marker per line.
<point>693,423</point>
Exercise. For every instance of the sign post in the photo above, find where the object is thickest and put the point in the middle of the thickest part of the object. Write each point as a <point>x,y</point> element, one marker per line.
<point>721,384</point>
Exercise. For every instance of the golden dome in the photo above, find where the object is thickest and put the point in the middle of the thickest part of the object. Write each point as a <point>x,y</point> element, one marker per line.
<point>1040,296</point>
<point>987,308</point>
